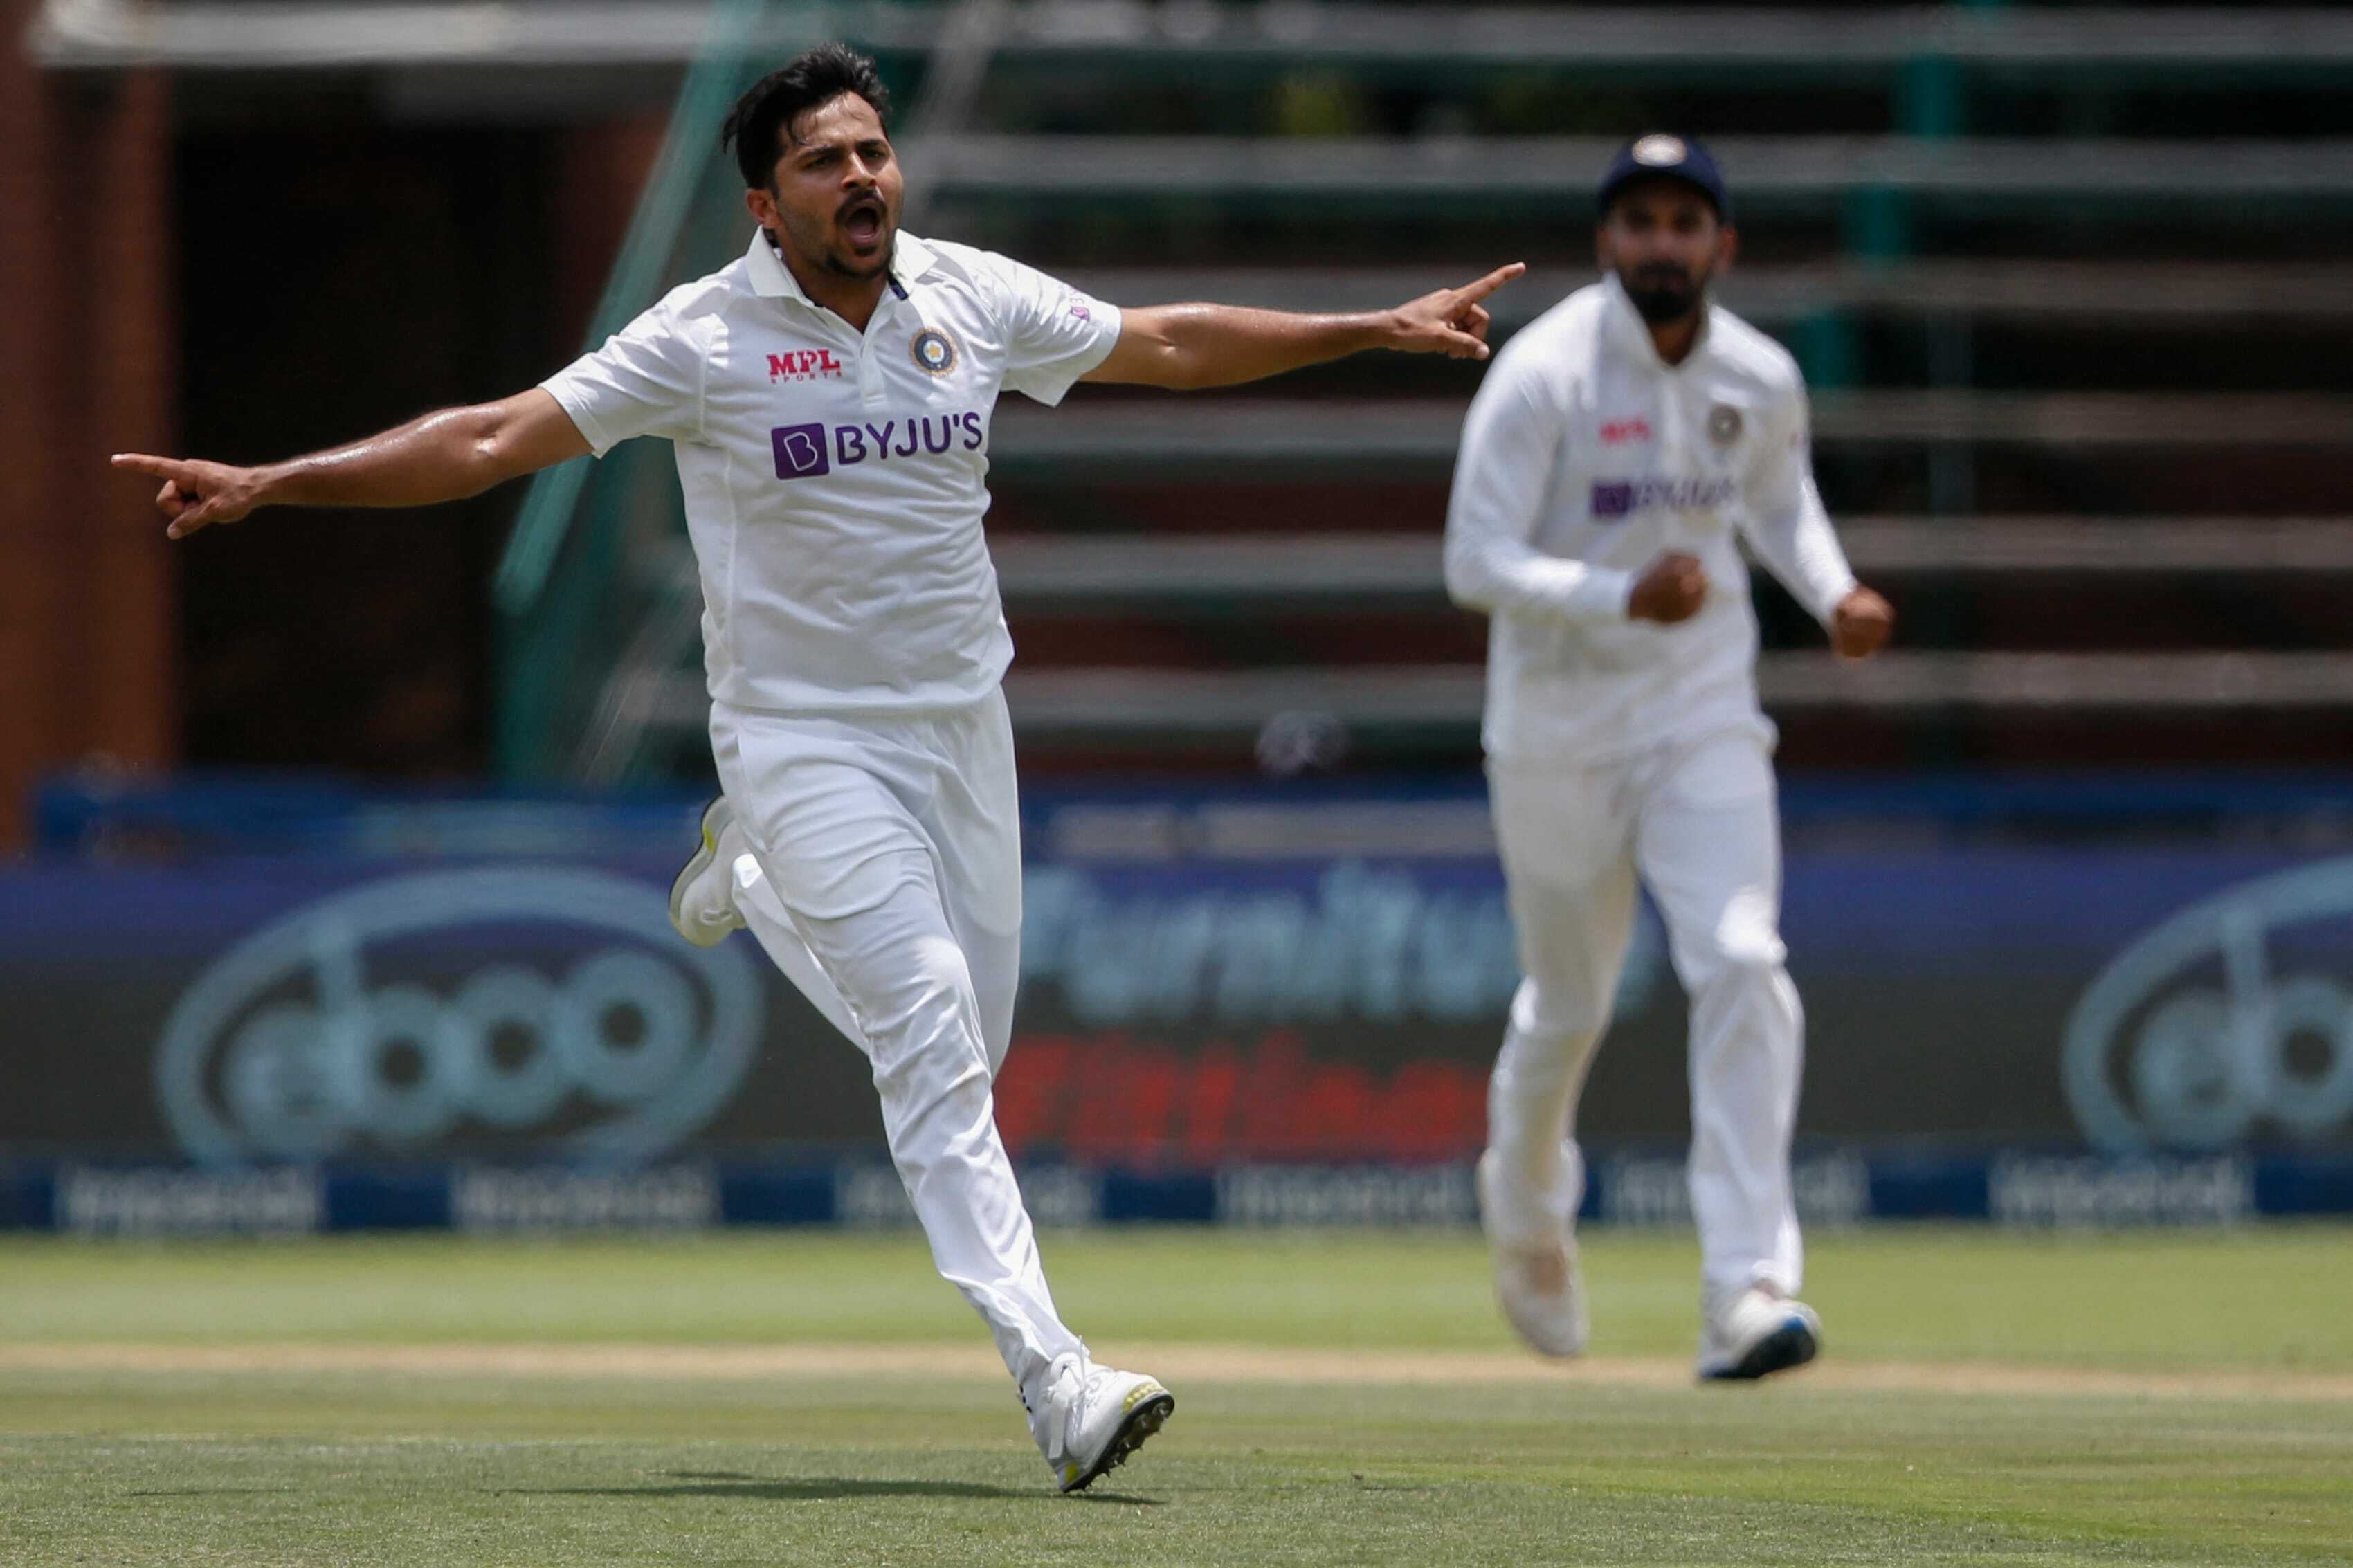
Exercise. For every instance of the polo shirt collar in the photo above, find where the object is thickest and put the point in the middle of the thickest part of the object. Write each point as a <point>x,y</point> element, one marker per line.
<point>911,257</point>
<point>772,280</point>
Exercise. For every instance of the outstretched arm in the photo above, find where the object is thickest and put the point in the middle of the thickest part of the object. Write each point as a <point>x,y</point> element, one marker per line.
<point>1185,347</point>
<point>448,455</point>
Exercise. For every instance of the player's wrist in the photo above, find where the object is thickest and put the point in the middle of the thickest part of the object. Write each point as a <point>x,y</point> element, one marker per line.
<point>1601,594</point>
<point>274,484</point>
<point>1382,330</point>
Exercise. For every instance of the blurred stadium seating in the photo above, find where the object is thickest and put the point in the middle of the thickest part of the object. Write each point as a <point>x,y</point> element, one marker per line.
<point>2066,281</point>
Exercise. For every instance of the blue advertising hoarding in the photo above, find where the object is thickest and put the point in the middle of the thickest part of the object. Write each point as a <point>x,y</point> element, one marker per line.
<point>1221,994</point>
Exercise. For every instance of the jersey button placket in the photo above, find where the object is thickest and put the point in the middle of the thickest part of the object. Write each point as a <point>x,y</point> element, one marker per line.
<point>832,329</point>
<point>870,391</point>
<point>1674,444</point>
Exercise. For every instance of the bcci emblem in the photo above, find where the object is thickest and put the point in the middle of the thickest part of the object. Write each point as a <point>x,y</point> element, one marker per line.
<point>1661,151</point>
<point>934,354</point>
<point>1724,424</point>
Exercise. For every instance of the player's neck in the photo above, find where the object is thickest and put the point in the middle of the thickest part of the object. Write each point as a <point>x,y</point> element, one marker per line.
<point>1675,340</point>
<point>854,300</point>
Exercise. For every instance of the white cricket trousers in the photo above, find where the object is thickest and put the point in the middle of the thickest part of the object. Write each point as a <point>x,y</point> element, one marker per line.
<point>1698,821</point>
<point>890,891</point>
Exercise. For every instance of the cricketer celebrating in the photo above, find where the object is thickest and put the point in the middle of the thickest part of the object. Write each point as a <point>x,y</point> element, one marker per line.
<point>1615,449</point>
<point>829,397</point>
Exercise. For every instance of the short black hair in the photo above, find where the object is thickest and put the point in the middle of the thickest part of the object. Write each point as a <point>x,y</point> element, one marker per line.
<point>776,99</point>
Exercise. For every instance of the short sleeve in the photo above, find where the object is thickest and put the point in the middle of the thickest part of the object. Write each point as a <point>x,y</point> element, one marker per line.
<point>1053,333</point>
<point>646,381</point>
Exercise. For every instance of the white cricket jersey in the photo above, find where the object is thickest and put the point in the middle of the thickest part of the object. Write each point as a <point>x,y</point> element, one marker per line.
<point>1586,457</point>
<point>835,480</point>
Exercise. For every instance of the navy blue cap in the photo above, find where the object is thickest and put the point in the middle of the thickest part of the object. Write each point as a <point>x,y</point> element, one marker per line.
<point>1669,157</point>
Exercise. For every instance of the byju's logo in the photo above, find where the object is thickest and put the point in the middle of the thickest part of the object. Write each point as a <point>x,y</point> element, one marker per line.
<point>2193,1039</point>
<point>800,451</point>
<point>548,1006</point>
<point>805,452</point>
<point>1614,499</point>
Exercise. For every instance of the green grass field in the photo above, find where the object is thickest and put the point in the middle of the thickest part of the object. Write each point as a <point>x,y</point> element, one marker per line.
<point>807,1398</point>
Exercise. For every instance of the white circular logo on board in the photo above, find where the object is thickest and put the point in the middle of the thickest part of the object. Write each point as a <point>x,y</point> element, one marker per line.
<point>541,1001</point>
<point>2193,1039</point>
<point>1660,151</point>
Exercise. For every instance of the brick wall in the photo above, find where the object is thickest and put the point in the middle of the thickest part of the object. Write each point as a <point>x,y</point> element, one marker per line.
<point>86,367</point>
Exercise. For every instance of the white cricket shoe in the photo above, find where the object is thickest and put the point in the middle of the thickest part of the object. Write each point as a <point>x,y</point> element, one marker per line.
<point>1756,1333</point>
<point>702,898</point>
<point>1091,1418</point>
<point>1530,1244</point>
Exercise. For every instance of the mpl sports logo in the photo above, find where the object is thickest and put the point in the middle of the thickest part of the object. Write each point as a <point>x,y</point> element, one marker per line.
<point>803,364</point>
<point>805,451</point>
<point>2194,1039</point>
<point>491,1007</point>
<point>1615,500</point>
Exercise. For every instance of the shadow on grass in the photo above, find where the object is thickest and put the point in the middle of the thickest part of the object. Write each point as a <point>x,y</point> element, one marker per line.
<point>804,1488</point>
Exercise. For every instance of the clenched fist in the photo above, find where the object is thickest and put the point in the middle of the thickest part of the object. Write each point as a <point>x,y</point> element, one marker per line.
<point>1671,589</point>
<point>1862,624</point>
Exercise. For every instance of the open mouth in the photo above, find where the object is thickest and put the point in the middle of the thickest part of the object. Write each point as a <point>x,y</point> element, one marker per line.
<point>861,221</point>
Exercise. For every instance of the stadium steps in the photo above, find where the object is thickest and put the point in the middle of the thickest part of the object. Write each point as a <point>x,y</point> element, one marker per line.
<point>1053,447</point>
<point>1042,574</point>
<point>2117,294</point>
<point>2026,317</point>
<point>1440,172</point>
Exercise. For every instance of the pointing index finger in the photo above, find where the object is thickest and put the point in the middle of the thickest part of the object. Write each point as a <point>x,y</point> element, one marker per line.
<point>1473,292</point>
<point>141,463</point>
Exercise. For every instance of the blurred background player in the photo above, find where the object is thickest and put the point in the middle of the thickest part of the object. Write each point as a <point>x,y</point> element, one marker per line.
<point>829,397</point>
<point>1616,452</point>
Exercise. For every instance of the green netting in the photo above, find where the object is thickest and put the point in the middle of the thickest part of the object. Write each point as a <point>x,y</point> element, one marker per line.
<point>593,556</point>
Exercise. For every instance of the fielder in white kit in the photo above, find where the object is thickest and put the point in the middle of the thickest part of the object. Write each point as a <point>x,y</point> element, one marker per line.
<point>1616,450</point>
<point>829,397</point>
